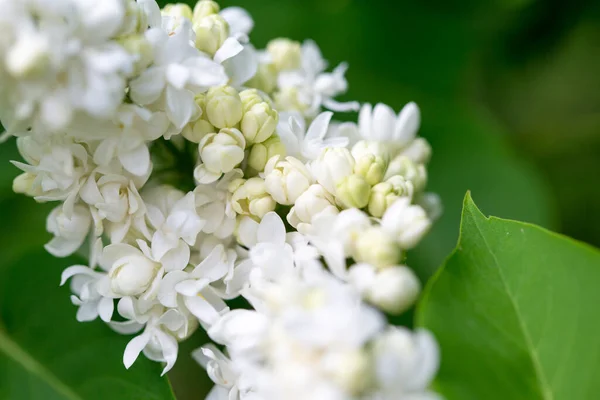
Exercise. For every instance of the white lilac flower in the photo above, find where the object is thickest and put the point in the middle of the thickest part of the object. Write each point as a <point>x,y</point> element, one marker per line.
<point>332,166</point>
<point>286,179</point>
<point>405,363</point>
<point>172,214</point>
<point>311,87</point>
<point>213,207</point>
<point>383,125</point>
<point>220,369</point>
<point>393,289</point>
<point>90,88</point>
<point>315,201</point>
<point>116,206</point>
<point>178,72</point>
<point>55,168</point>
<point>406,223</point>
<point>92,289</point>
<point>220,153</point>
<point>307,144</point>
<point>63,60</point>
<point>126,140</point>
<point>130,271</point>
<point>194,289</point>
<point>159,341</point>
<point>69,229</point>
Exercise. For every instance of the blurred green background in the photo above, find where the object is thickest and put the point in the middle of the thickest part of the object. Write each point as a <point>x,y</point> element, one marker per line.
<point>509,92</point>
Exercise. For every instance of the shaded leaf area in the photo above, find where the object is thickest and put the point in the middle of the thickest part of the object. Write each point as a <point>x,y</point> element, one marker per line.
<point>515,312</point>
<point>46,354</point>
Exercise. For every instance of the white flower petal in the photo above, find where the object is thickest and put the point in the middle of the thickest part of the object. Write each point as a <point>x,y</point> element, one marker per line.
<point>137,160</point>
<point>134,348</point>
<point>271,229</point>
<point>238,19</point>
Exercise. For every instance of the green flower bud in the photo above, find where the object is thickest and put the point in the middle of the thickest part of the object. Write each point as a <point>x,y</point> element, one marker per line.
<point>382,196</point>
<point>178,10</point>
<point>410,171</point>
<point>204,8</point>
<point>249,197</point>
<point>353,191</point>
<point>261,153</point>
<point>220,153</point>
<point>265,78</point>
<point>24,183</point>
<point>211,32</point>
<point>259,122</point>
<point>376,247</point>
<point>196,130</point>
<point>252,97</point>
<point>223,107</point>
<point>285,53</point>
<point>370,167</point>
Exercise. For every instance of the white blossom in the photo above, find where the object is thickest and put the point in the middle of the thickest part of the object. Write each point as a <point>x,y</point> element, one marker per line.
<point>382,124</point>
<point>312,87</point>
<point>179,70</point>
<point>307,144</point>
<point>69,230</point>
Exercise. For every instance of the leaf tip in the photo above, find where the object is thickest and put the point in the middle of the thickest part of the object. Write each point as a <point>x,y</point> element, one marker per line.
<point>470,208</point>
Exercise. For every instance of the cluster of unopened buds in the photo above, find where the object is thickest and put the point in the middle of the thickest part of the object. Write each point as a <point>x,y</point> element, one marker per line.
<point>191,169</point>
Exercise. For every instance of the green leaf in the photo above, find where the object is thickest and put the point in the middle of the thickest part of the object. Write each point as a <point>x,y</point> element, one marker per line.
<point>46,354</point>
<point>515,312</point>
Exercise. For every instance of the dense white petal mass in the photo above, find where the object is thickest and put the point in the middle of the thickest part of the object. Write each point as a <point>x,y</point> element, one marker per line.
<point>193,169</point>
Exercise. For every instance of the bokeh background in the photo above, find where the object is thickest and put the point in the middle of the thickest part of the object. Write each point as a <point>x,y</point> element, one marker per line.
<point>509,92</point>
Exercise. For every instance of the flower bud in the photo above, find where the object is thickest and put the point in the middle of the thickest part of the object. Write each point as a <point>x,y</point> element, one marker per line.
<point>364,148</point>
<point>211,32</point>
<point>353,192</point>
<point>220,153</point>
<point>24,184</point>
<point>376,247</point>
<point>252,97</point>
<point>249,197</point>
<point>285,53</point>
<point>418,151</point>
<point>140,48</point>
<point>394,289</point>
<point>314,201</point>
<point>223,107</point>
<point>265,78</point>
<point>370,167</point>
<point>261,153</point>
<point>350,370</point>
<point>401,186</point>
<point>405,167</point>
<point>287,99</point>
<point>406,223</point>
<point>132,275</point>
<point>204,8</point>
<point>259,122</point>
<point>382,196</point>
<point>332,166</point>
<point>287,179</point>
<point>177,10</point>
<point>196,130</point>
<point>413,356</point>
